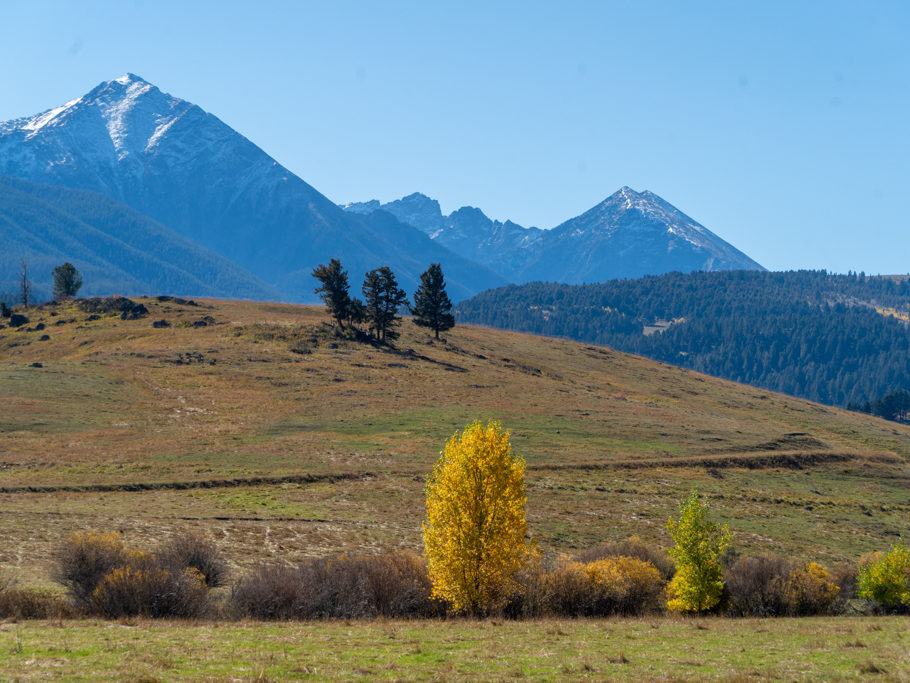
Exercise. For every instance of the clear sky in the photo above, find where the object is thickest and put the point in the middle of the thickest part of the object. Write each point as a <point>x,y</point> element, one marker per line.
<point>782,126</point>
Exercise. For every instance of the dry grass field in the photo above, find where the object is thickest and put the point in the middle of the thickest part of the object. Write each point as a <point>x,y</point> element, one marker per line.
<point>280,441</point>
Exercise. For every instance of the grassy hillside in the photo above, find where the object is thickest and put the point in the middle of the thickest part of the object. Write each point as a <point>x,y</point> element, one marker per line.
<point>280,440</point>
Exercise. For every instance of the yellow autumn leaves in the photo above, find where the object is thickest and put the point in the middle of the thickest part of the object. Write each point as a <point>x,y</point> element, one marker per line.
<point>475,530</point>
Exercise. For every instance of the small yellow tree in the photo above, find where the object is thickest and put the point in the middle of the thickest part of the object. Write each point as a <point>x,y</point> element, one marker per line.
<point>474,534</point>
<point>698,545</point>
<point>885,577</point>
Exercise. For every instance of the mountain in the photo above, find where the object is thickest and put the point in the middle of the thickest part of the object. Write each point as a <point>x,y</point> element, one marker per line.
<point>629,234</point>
<point>183,167</point>
<point>503,247</point>
<point>115,248</point>
<point>836,339</point>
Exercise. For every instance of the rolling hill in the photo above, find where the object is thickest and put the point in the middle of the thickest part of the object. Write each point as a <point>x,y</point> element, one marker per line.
<point>256,424</point>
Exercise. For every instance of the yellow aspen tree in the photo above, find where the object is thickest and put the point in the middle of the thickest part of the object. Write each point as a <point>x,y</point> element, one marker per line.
<point>474,534</point>
<point>698,544</point>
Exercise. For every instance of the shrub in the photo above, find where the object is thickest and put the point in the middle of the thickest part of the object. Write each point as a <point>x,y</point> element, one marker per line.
<point>396,584</point>
<point>150,591</point>
<point>809,590</point>
<point>474,535</point>
<point>190,550</point>
<point>614,585</point>
<point>845,577</point>
<point>755,586</point>
<point>631,547</point>
<point>104,576</point>
<point>391,585</point>
<point>885,577</point>
<point>84,559</point>
<point>33,603</point>
<point>698,583</point>
<point>271,592</point>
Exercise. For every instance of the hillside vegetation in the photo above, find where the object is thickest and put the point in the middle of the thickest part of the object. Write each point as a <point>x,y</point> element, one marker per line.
<point>260,426</point>
<point>836,339</point>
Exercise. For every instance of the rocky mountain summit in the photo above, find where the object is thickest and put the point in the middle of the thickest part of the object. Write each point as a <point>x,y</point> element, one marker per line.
<point>629,234</point>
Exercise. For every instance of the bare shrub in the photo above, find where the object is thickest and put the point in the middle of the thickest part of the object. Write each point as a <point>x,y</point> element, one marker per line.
<point>755,586</point>
<point>845,578</point>
<point>189,550</point>
<point>84,559</point>
<point>150,591</point>
<point>32,603</point>
<point>391,585</point>
<point>395,584</point>
<point>632,547</point>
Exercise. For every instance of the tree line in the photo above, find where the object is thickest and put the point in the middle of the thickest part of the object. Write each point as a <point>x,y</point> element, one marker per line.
<point>383,299</point>
<point>829,338</point>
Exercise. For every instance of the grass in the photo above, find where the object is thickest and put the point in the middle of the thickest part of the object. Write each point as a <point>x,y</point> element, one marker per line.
<point>278,438</point>
<point>631,649</point>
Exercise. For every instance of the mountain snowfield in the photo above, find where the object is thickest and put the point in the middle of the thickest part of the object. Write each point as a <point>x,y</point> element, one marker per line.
<point>191,173</point>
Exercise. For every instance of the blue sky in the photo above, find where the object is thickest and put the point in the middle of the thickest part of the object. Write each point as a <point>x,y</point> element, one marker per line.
<point>781,126</point>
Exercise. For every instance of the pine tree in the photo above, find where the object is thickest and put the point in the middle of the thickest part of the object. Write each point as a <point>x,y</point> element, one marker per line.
<point>432,307</point>
<point>382,299</point>
<point>67,281</point>
<point>334,290</point>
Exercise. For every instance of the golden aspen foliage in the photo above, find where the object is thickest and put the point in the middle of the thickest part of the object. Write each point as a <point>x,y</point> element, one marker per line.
<point>885,577</point>
<point>698,583</point>
<point>474,534</point>
<point>809,589</point>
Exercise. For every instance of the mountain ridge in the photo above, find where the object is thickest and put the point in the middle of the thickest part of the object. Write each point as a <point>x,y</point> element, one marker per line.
<point>185,168</point>
<point>628,234</point>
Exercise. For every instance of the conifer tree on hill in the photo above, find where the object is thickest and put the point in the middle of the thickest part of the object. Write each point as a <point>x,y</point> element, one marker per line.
<point>67,281</point>
<point>334,290</point>
<point>432,307</point>
<point>382,298</point>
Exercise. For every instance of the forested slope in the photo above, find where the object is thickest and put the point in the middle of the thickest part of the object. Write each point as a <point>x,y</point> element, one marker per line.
<point>837,339</point>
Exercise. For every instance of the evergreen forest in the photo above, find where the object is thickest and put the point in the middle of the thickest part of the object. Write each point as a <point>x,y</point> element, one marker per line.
<point>837,339</point>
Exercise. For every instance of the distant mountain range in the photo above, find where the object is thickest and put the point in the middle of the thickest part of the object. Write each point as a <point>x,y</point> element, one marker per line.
<point>183,167</point>
<point>629,234</point>
<point>217,202</point>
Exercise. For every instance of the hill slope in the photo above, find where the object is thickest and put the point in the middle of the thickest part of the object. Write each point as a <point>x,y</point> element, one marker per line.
<point>115,248</point>
<point>838,339</point>
<point>182,166</point>
<point>281,440</point>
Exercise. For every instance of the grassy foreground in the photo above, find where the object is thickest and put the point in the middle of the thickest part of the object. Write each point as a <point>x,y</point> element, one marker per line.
<point>636,649</point>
